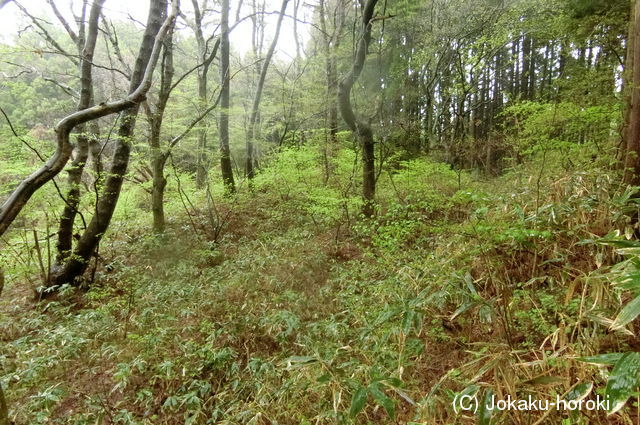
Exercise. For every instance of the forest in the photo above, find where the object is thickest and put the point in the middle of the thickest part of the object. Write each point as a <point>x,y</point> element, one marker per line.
<point>310,212</point>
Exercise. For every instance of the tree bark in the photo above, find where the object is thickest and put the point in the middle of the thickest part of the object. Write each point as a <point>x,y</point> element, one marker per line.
<point>331,44</point>
<point>632,160</point>
<point>150,47</point>
<point>65,229</point>
<point>202,157</point>
<point>157,192</point>
<point>225,69</point>
<point>627,83</point>
<point>360,127</point>
<point>526,65</point>
<point>251,131</point>
<point>158,157</point>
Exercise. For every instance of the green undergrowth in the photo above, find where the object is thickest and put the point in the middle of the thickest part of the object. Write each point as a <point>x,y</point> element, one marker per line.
<point>282,305</point>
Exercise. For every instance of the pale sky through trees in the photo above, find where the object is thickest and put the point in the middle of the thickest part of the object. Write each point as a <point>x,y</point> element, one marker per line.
<point>11,20</point>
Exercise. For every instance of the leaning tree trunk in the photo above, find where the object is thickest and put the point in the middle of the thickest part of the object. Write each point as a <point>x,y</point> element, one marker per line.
<point>150,48</point>
<point>360,127</point>
<point>65,229</point>
<point>251,132</point>
<point>225,153</point>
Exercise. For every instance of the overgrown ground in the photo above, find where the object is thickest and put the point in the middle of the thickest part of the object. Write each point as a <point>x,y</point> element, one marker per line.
<point>281,305</point>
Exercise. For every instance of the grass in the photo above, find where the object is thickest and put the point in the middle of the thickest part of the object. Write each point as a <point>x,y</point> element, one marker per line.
<point>301,312</point>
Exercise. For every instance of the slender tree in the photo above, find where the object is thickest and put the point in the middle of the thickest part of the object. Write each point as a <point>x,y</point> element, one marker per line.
<point>206,54</point>
<point>359,126</point>
<point>86,50</point>
<point>155,114</point>
<point>632,160</point>
<point>225,153</point>
<point>331,42</point>
<point>251,131</point>
<point>155,117</point>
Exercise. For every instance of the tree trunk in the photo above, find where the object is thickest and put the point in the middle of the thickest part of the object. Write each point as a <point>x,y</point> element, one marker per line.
<point>251,131</point>
<point>201,155</point>
<point>632,163</point>
<point>360,127</point>
<point>627,82</point>
<point>531,89</point>
<point>526,65</point>
<point>225,152</point>
<point>159,158</point>
<point>201,161</point>
<point>157,192</point>
<point>148,54</point>
<point>65,229</point>
<point>331,44</point>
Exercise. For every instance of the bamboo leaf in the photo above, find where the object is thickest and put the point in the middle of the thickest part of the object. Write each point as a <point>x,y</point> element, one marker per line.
<point>623,381</point>
<point>628,314</point>
<point>484,413</point>
<point>358,401</point>
<point>605,359</point>
<point>382,399</point>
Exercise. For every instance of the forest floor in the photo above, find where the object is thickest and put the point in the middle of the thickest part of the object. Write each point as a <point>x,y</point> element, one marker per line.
<point>281,306</point>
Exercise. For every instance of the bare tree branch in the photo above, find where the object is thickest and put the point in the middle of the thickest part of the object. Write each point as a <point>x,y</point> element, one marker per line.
<point>45,33</point>
<point>65,24</point>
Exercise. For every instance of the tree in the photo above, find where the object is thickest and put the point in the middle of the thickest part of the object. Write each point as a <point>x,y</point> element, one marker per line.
<point>86,50</point>
<point>357,125</point>
<point>225,69</point>
<point>27,187</point>
<point>632,134</point>
<point>155,117</point>
<point>251,130</point>
<point>331,43</point>
<point>154,35</point>
<point>206,54</point>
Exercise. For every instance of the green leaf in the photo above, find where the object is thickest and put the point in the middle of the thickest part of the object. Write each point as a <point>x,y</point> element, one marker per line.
<point>619,243</point>
<point>408,320</point>
<point>580,391</point>
<point>545,380</point>
<point>463,308</point>
<point>324,379</point>
<point>628,314</point>
<point>629,281</point>
<point>358,401</point>
<point>623,381</point>
<point>484,413</point>
<point>605,359</point>
<point>382,399</point>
